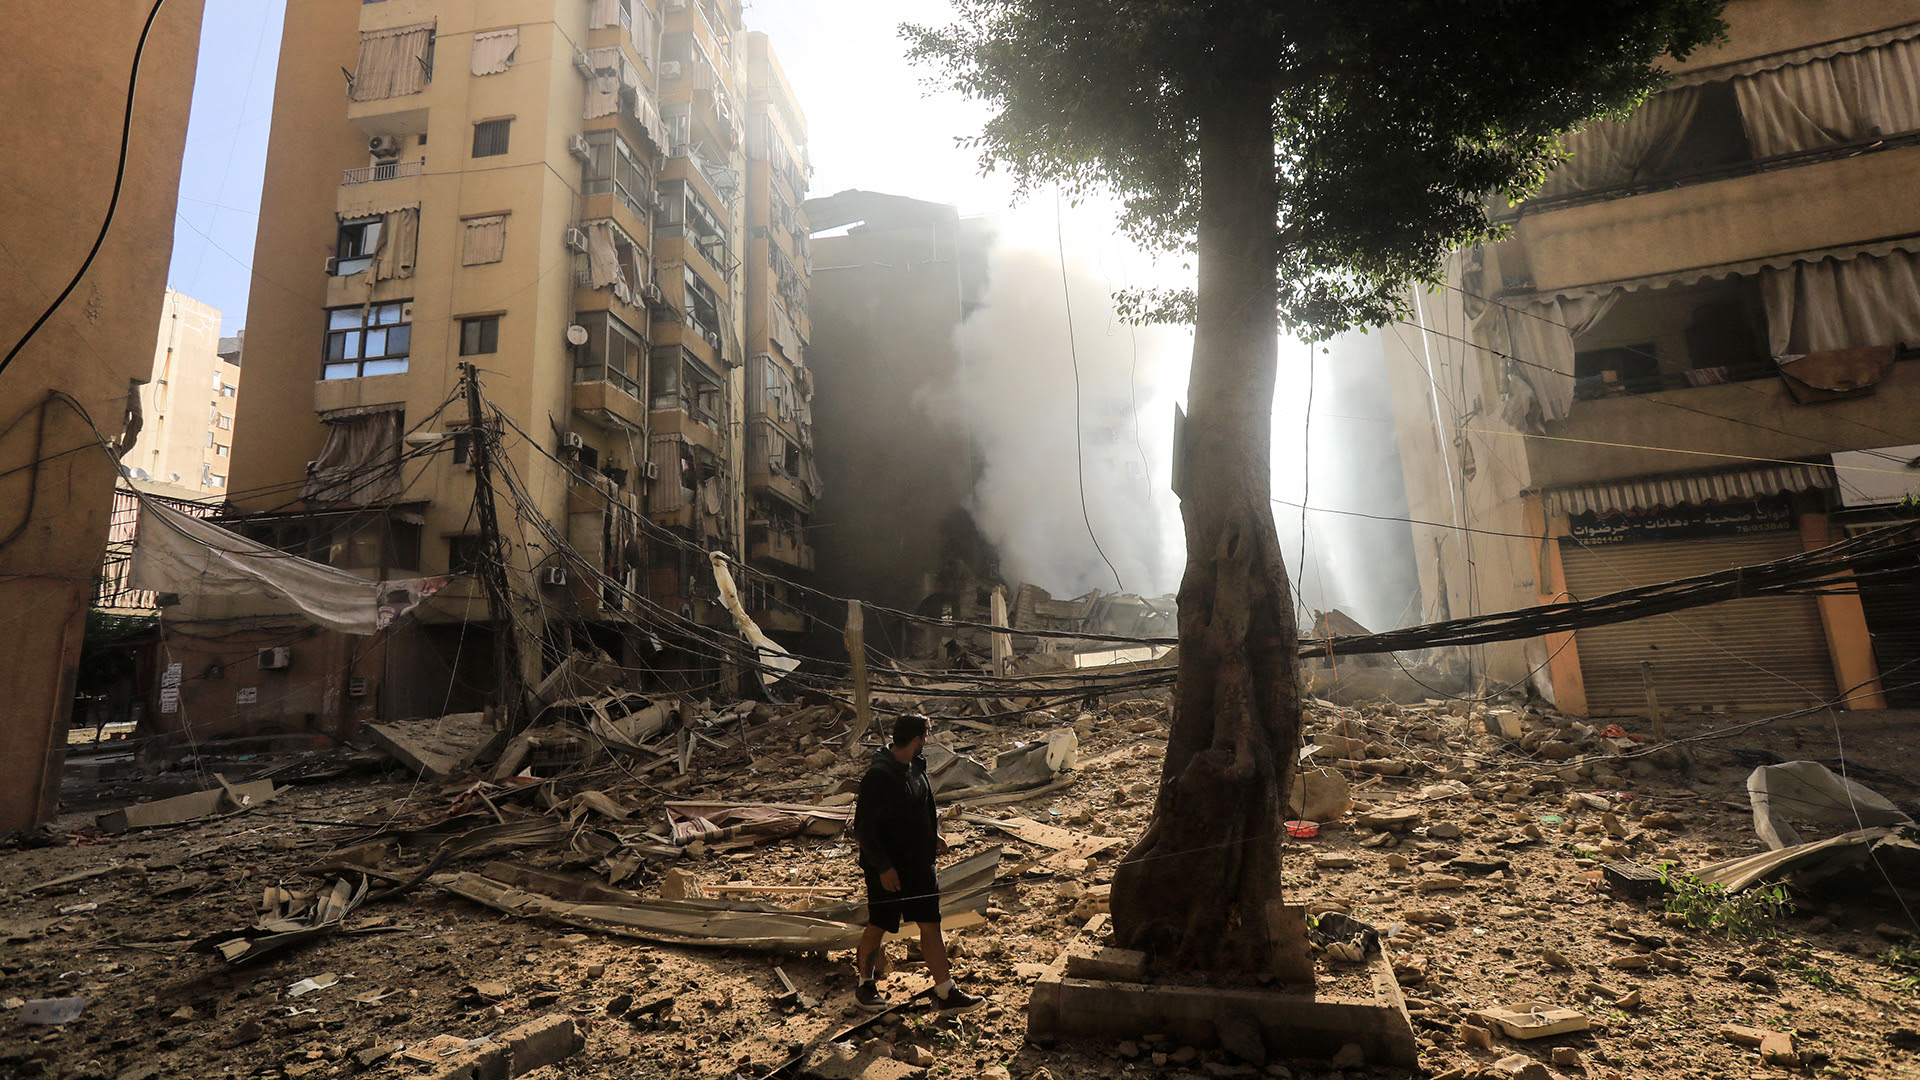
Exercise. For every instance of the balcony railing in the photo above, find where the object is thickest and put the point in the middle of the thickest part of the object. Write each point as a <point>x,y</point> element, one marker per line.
<point>385,170</point>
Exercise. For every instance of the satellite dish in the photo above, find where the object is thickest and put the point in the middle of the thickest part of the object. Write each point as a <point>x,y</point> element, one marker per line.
<point>577,334</point>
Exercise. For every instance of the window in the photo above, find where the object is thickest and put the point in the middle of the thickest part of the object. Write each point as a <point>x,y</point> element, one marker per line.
<point>614,353</point>
<point>217,480</point>
<point>393,63</point>
<point>463,554</point>
<point>481,335</point>
<point>225,422</point>
<point>490,137</point>
<point>213,413</point>
<point>370,340</point>
<point>222,450</point>
<point>703,307</point>
<point>209,438</point>
<point>353,249</point>
<point>227,389</point>
<point>612,166</point>
<point>206,475</point>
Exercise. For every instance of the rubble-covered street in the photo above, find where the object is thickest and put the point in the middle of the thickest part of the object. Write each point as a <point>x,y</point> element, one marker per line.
<point>1479,858</point>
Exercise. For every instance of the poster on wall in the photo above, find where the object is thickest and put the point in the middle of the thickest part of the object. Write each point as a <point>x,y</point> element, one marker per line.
<point>172,675</point>
<point>170,700</point>
<point>248,695</point>
<point>1684,522</point>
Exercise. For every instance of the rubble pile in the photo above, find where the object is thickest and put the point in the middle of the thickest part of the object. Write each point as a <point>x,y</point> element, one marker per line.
<point>656,887</point>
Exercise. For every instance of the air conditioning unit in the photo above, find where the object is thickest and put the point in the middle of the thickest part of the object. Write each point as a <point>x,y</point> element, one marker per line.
<point>578,146</point>
<point>577,240</point>
<point>383,146</point>
<point>583,63</point>
<point>656,200</point>
<point>555,576</point>
<point>653,294</point>
<point>333,266</point>
<point>649,469</point>
<point>670,69</point>
<point>277,658</point>
<point>359,686</point>
<point>572,440</point>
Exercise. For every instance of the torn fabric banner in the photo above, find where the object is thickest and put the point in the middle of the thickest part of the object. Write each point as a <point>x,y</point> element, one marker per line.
<point>198,561</point>
<point>770,654</point>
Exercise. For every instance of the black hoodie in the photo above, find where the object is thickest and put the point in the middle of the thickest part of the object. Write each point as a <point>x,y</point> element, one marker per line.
<point>894,819</point>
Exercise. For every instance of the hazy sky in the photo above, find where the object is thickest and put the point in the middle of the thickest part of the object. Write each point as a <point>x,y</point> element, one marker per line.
<point>870,125</point>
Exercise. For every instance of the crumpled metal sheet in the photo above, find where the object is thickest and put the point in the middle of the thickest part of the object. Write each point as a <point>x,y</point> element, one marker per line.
<point>736,924</point>
<point>1809,791</point>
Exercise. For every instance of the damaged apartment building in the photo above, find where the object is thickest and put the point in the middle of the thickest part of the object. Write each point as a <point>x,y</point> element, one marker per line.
<point>1696,350</point>
<point>597,205</point>
<point>894,279</point>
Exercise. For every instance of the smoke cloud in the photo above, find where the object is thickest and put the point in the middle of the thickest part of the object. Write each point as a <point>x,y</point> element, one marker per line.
<point>1016,394</point>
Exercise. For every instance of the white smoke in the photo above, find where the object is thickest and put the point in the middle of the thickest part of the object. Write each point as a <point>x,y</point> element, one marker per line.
<point>1016,394</point>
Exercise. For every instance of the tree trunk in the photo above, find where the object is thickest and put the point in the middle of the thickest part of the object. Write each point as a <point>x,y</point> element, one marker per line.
<point>1194,892</point>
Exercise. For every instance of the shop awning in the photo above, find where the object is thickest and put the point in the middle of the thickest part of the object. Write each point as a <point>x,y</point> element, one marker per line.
<point>1689,489</point>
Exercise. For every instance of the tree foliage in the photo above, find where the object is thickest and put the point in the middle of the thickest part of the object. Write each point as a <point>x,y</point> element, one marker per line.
<point>1396,125</point>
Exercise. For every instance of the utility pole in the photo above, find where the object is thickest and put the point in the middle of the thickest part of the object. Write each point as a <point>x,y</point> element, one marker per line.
<point>492,564</point>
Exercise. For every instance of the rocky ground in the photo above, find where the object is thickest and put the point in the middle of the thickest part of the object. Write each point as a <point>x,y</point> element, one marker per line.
<point>1478,856</point>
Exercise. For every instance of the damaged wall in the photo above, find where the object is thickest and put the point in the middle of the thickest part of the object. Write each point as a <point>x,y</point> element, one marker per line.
<point>66,89</point>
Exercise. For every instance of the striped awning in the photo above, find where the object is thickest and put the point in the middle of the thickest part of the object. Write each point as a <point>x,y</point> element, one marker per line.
<point>1690,489</point>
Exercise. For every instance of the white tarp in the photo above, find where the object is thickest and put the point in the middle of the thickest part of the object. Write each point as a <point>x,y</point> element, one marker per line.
<point>1809,791</point>
<point>769,653</point>
<point>174,553</point>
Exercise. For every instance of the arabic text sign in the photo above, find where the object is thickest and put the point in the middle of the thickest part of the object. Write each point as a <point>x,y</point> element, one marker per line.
<point>1684,522</point>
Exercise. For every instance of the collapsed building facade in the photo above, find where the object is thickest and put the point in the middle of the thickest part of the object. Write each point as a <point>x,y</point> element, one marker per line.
<point>1695,351</point>
<point>597,206</point>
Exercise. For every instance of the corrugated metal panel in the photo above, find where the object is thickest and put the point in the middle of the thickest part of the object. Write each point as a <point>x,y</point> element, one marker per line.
<point>1692,489</point>
<point>1760,654</point>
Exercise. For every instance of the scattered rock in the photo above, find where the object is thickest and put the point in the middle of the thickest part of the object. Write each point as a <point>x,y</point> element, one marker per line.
<point>1476,1037</point>
<point>1566,1057</point>
<point>1349,1056</point>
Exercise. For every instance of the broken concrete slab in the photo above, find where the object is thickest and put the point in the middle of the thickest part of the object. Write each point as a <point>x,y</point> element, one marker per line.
<point>532,1045</point>
<point>1119,965</point>
<point>223,797</point>
<point>1532,1020</point>
<point>438,748</point>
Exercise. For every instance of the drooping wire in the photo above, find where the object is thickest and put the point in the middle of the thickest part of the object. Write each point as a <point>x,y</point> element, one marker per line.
<point>1079,436</point>
<point>113,202</point>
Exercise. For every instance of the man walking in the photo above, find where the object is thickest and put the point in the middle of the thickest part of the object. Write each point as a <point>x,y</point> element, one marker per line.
<point>899,835</point>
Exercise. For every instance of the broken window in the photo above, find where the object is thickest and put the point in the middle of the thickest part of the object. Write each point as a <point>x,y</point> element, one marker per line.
<point>485,240</point>
<point>1702,334</point>
<point>490,137</point>
<point>393,63</point>
<point>355,244</point>
<point>681,381</point>
<point>702,307</point>
<point>1687,130</point>
<point>373,339</point>
<point>385,244</point>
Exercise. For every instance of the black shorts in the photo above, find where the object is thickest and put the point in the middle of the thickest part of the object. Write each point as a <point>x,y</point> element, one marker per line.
<point>917,901</point>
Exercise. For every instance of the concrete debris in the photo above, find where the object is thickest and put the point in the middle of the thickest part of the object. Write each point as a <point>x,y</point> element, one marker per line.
<point>1532,1020</point>
<point>437,748</point>
<point>223,799</point>
<point>1809,791</point>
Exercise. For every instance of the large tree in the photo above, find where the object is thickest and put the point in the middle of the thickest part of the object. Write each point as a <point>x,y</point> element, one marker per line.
<point>1319,156</point>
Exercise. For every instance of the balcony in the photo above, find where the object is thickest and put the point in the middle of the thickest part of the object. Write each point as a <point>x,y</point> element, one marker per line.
<point>608,397</point>
<point>779,620</point>
<point>782,548</point>
<point>787,488</point>
<point>385,170</point>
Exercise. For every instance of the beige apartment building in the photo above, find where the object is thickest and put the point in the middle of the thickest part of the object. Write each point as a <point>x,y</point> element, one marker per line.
<point>73,380</point>
<point>188,402</point>
<point>1696,350</point>
<point>560,193</point>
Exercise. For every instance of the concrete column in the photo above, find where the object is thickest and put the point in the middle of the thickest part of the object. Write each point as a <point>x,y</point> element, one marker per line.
<point>1563,669</point>
<point>1849,645</point>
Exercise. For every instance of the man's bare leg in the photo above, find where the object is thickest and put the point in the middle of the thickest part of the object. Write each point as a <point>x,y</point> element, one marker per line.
<point>863,954</point>
<point>934,951</point>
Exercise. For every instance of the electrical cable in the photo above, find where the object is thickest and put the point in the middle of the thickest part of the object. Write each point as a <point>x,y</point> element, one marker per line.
<point>1079,435</point>
<point>113,202</point>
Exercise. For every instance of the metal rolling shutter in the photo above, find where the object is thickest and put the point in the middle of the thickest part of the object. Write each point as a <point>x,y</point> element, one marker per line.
<point>1760,654</point>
